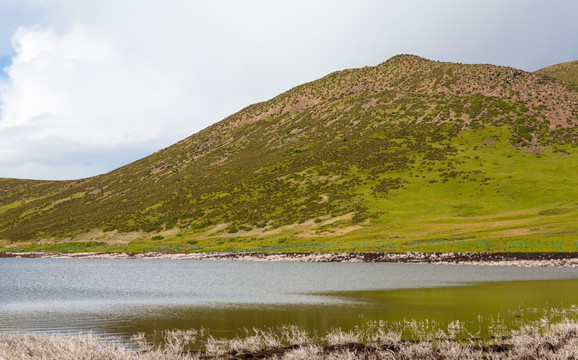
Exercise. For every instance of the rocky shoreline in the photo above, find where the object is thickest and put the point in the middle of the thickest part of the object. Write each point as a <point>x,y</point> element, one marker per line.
<point>556,259</point>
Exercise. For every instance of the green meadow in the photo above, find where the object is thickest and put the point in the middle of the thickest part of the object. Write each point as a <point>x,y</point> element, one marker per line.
<point>502,199</point>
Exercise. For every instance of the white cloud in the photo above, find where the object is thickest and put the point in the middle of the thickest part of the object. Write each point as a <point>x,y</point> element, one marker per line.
<point>97,84</point>
<point>88,94</point>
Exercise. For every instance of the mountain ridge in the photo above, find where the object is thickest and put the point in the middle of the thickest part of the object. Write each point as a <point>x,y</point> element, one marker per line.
<point>328,154</point>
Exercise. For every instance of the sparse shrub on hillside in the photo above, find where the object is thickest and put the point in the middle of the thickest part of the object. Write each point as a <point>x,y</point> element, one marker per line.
<point>386,185</point>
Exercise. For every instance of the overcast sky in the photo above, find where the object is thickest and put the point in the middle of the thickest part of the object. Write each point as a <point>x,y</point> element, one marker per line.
<point>88,86</point>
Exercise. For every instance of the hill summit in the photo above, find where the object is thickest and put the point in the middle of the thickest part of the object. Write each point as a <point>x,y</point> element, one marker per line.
<point>567,71</point>
<point>409,154</point>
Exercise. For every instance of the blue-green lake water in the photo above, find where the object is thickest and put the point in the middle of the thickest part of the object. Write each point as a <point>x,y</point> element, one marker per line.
<point>122,297</point>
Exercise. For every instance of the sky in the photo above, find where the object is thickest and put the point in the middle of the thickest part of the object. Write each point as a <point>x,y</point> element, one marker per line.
<point>88,86</point>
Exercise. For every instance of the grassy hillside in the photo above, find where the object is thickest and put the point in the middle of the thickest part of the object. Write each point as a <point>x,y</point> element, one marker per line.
<point>567,71</point>
<point>411,154</point>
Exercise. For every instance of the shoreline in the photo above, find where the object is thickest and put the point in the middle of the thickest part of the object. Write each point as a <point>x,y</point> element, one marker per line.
<point>554,259</point>
<point>558,340</point>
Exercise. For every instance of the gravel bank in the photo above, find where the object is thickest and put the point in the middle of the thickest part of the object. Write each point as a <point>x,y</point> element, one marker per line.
<point>562,259</point>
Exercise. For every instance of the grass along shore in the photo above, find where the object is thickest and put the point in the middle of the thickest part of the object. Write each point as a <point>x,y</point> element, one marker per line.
<point>547,338</point>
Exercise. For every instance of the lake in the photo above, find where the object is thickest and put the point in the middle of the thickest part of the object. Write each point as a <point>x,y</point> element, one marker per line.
<point>121,297</point>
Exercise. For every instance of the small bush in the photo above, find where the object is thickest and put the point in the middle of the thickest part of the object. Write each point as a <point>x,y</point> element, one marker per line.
<point>558,211</point>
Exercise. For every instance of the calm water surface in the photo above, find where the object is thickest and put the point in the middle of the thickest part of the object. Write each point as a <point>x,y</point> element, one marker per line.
<point>124,297</point>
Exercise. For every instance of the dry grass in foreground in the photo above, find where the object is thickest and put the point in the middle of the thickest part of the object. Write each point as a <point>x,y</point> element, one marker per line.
<point>538,341</point>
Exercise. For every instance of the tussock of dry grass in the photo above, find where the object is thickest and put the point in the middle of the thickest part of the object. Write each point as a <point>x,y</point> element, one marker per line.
<point>91,347</point>
<point>541,340</point>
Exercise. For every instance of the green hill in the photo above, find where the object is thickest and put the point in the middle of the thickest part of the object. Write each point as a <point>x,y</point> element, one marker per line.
<point>567,71</point>
<point>411,154</point>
